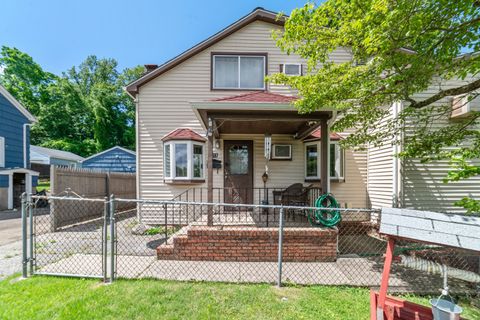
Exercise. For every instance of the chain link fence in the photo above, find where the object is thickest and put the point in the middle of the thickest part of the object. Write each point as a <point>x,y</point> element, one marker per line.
<point>186,240</point>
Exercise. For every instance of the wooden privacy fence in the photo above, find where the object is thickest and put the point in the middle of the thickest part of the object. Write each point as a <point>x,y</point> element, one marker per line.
<point>87,184</point>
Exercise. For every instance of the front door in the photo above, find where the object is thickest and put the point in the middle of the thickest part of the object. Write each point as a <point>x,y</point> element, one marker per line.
<point>238,176</point>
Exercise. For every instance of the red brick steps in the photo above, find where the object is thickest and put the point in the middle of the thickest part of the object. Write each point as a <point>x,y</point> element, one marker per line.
<point>201,243</point>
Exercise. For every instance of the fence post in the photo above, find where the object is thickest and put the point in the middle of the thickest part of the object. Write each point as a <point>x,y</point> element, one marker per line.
<point>24,237</point>
<point>32,234</point>
<point>112,236</point>
<point>165,209</point>
<point>106,215</point>
<point>280,248</point>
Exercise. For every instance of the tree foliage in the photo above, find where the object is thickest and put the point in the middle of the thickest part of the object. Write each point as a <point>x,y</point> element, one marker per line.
<point>400,48</point>
<point>85,110</point>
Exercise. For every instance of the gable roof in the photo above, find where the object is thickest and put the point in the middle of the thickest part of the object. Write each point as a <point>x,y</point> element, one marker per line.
<point>258,96</point>
<point>315,135</point>
<point>17,104</point>
<point>108,150</point>
<point>183,134</point>
<point>54,153</point>
<point>258,14</point>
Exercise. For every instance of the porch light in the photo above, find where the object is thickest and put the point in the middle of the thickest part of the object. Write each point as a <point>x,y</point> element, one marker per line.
<point>265,177</point>
<point>217,144</point>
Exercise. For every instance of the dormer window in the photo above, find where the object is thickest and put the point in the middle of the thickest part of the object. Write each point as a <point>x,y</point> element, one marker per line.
<point>238,72</point>
<point>183,156</point>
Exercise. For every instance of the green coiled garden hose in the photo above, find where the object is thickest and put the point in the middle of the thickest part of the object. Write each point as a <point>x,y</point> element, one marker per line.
<point>325,218</point>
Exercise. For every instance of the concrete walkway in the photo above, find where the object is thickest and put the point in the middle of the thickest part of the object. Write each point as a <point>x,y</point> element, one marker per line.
<point>345,271</point>
<point>10,242</point>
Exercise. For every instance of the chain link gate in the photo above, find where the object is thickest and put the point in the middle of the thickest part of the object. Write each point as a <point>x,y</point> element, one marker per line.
<point>67,236</point>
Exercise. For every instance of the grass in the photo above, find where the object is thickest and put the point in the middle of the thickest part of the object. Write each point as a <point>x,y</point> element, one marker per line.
<point>64,298</point>
<point>43,185</point>
<point>161,230</point>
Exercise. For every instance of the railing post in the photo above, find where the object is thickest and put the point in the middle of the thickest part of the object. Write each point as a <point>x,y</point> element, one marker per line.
<point>32,234</point>
<point>106,215</point>
<point>280,248</point>
<point>24,237</point>
<point>112,238</point>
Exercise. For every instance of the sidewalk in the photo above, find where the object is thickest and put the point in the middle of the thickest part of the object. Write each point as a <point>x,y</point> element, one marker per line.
<point>10,242</point>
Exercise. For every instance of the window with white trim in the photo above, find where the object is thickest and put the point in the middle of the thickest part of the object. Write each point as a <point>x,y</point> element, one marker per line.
<point>292,69</point>
<point>245,72</point>
<point>337,161</point>
<point>2,152</point>
<point>312,161</point>
<point>183,160</point>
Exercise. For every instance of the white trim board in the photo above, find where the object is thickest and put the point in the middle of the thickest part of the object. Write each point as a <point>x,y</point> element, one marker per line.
<point>17,104</point>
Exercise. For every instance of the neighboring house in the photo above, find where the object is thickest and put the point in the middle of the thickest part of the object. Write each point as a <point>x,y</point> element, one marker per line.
<point>16,176</point>
<point>116,159</point>
<point>42,158</point>
<point>206,118</point>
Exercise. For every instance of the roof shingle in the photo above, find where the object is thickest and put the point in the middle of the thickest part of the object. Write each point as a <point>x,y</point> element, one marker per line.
<point>258,96</point>
<point>183,134</point>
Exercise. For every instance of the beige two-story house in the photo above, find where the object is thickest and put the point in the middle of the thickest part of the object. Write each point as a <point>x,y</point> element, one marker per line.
<point>211,128</point>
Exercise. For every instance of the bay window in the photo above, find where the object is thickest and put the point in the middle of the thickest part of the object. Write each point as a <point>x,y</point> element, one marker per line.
<point>312,161</point>
<point>183,160</point>
<point>246,72</point>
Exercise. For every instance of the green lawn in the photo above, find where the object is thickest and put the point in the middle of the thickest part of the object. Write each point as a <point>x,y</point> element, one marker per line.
<point>63,298</point>
<point>43,185</point>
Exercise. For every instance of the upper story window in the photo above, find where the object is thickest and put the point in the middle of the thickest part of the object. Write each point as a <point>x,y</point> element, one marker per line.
<point>292,69</point>
<point>246,72</point>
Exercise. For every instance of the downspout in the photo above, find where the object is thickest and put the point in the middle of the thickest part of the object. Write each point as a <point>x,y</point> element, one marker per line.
<point>137,157</point>
<point>396,161</point>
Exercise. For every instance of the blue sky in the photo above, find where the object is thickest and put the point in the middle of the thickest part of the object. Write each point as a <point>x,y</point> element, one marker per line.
<point>61,33</point>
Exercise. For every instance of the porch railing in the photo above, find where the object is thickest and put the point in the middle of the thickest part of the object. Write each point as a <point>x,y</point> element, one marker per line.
<point>242,215</point>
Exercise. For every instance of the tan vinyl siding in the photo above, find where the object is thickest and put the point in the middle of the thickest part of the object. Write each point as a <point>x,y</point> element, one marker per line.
<point>164,105</point>
<point>422,183</point>
<point>352,192</point>
<point>380,162</point>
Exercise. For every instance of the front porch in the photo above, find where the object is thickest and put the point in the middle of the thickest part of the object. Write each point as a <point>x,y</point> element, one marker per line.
<point>244,134</point>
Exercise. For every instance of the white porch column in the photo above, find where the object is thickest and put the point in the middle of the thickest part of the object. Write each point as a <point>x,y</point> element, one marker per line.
<point>10,191</point>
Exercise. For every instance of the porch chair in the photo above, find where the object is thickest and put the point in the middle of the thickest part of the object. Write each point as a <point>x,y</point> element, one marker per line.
<point>294,195</point>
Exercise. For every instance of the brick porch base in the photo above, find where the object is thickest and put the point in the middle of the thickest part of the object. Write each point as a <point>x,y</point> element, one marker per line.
<point>202,243</point>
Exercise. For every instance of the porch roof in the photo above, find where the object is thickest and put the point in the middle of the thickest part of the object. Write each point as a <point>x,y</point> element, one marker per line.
<point>258,113</point>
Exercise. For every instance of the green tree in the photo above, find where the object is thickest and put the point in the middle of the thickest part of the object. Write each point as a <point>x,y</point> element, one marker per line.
<point>84,111</point>
<point>24,78</point>
<point>400,48</point>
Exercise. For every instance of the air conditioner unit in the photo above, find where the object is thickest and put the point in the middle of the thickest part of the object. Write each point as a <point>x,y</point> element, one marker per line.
<point>461,106</point>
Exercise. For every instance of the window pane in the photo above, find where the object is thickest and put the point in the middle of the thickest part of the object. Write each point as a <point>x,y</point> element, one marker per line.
<point>292,69</point>
<point>181,160</point>
<point>238,155</point>
<point>166,161</point>
<point>312,160</point>
<point>282,151</point>
<point>333,171</point>
<point>252,72</point>
<point>226,72</point>
<point>336,161</point>
<point>197,161</point>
